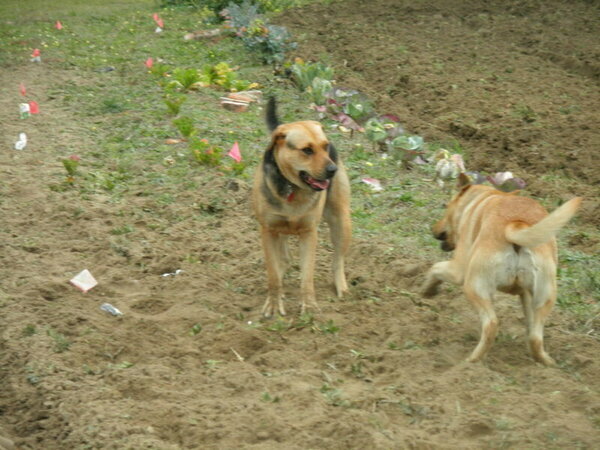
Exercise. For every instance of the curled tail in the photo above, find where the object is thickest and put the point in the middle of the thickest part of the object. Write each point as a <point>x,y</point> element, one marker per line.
<point>271,114</point>
<point>541,232</point>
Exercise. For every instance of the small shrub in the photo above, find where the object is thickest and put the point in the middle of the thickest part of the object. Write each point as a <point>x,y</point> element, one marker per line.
<point>303,73</point>
<point>185,126</point>
<point>204,153</point>
<point>174,103</point>
<point>271,41</point>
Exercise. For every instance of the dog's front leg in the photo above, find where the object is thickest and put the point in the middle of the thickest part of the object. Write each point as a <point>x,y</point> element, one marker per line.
<point>273,258</point>
<point>308,249</point>
<point>440,272</point>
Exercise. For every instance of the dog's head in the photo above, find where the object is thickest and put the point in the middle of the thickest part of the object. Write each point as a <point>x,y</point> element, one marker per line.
<point>446,229</point>
<point>304,155</point>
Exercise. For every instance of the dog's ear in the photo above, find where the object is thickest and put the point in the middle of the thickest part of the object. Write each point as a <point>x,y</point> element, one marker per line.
<point>276,139</point>
<point>463,181</point>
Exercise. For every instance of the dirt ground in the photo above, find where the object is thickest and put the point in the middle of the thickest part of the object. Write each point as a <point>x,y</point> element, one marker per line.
<point>516,83</point>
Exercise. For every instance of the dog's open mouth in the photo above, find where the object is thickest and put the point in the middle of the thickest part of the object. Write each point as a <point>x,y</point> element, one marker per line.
<point>317,185</point>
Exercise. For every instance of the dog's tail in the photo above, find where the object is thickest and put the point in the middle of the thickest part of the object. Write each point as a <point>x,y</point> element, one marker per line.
<point>271,114</point>
<point>541,232</point>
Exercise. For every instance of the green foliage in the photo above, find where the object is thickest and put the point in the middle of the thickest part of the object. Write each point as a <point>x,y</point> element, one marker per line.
<point>204,153</point>
<point>29,330</point>
<point>185,126</point>
<point>221,75</point>
<point>196,328</point>
<point>303,73</point>
<point>174,103</point>
<point>271,41</point>
<point>61,343</point>
<point>185,79</point>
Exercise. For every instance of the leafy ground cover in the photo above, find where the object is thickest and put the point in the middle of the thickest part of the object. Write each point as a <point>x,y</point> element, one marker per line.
<point>190,364</point>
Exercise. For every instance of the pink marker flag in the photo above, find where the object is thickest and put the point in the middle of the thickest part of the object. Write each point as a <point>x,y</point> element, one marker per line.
<point>158,20</point>
<point>36,53</point>
<point>235,152</point>
<point>23,90</point>
<point>149,63</point>
<point>34,107</point>
<point>58,25</point>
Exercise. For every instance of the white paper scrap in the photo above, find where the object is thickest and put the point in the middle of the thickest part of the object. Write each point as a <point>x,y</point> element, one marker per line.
<point>22,142</point>
<point>83,280</point>
<point>374,183</point>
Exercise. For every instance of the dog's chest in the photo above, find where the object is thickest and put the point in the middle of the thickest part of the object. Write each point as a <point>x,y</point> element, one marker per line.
<point>295,217</point>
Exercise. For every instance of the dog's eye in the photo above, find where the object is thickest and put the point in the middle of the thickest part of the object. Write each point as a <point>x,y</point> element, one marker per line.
<point>307,151</point>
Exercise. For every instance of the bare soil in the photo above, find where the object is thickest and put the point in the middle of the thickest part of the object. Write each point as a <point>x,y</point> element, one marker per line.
<point>516,83</point>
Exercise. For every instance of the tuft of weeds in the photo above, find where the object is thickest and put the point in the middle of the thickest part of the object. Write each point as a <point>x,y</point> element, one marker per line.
<point>268,398</point>
<point>29,330</point>
<point>61,343</point>
<point>196,328</point>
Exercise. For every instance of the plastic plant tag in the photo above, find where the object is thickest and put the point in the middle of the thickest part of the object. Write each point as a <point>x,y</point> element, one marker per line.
<point>22,142</point>
<point>24,110</point>
<point>84,280</point>
<point>110,309</point>
<point>22,89</point>
<point>58,25</point>
<point>235,152</point>
<point>34,107</point>
<point>149,63</point>
<point>374,183</point>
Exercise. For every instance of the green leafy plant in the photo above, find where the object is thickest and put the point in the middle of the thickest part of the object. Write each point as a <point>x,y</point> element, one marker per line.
<point>204,153</point>
<point>223,76</point>
<point>174,103</point>
<point>303,73</point>
<point>185,126</point>
<point>185,79</point>
<point>272,41</point>
<point>71,164</point>
<point>196,328</point>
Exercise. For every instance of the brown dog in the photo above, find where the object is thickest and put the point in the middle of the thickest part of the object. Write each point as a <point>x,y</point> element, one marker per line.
<point>502,242</point>
<point>300,179</point>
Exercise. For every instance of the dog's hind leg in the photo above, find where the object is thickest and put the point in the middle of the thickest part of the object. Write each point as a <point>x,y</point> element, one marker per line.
<point>442,271</point>
<point>540,306</point>
<point>272,245</point>
<point>489,322</point>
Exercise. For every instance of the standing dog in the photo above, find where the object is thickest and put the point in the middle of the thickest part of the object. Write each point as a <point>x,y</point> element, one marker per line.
<point>301,178</point>
<point>502,242</point>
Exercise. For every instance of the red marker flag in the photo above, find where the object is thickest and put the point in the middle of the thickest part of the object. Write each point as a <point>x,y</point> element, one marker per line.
<point>235,152</point>
<point>36,53</point>
<point>22,90</point>
<point>34,107</point>
<point>149,63</point>
<point>158,20</point>
<point>58,25</point>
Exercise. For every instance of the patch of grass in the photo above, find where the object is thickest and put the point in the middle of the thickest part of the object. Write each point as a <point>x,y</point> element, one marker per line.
<point>61,343</point>
<point>29,330</point>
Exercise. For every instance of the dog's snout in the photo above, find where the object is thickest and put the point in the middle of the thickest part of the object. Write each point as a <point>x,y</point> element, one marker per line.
<point>331,169</point>
<point>440,236</point>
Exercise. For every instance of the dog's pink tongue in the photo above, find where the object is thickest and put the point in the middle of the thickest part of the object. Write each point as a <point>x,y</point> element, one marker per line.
<point>319,184</point>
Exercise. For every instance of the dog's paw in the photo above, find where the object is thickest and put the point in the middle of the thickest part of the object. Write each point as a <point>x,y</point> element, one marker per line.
<point>272,306</point>
<point>429,291</point>
<point>309,305</point>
